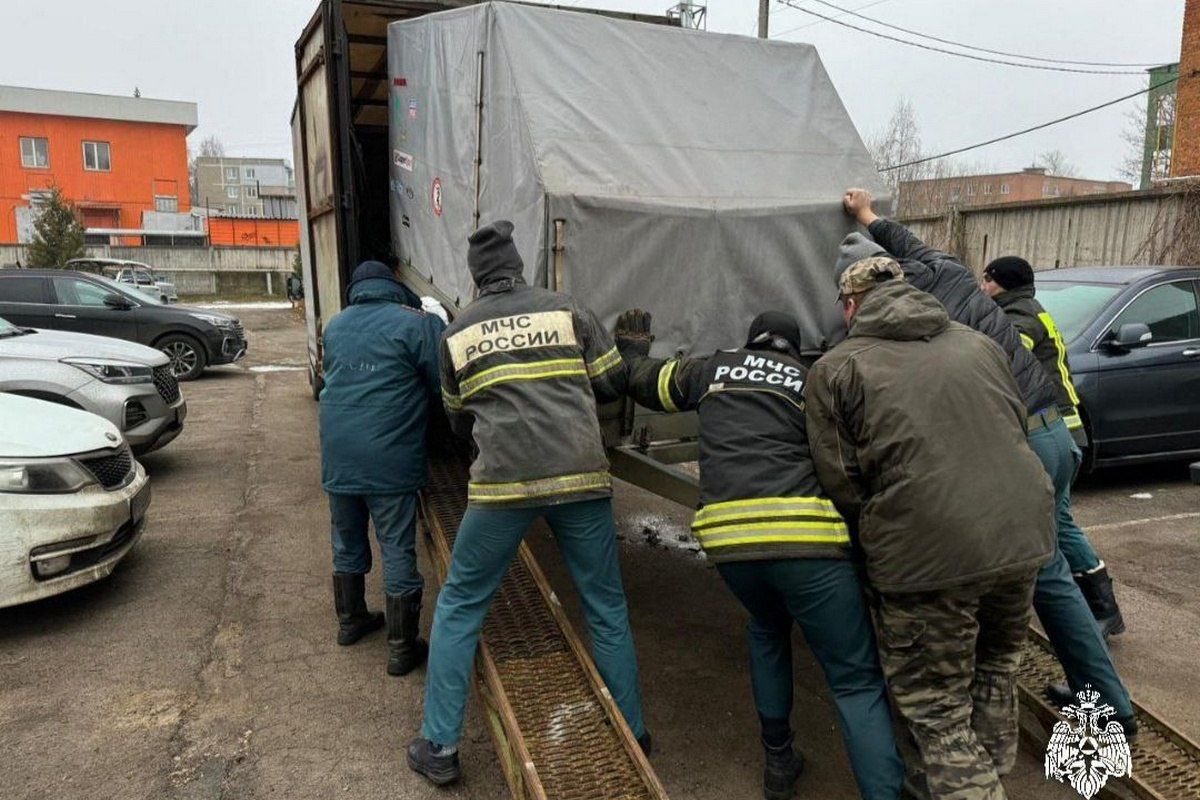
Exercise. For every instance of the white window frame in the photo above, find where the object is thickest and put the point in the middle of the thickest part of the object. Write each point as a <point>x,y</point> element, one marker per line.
<point>232,175</point>
<point>33,153</point>
<point>970,190</point>
<point>95,148</point>
<point>251,191</point>
<point>987,188</point>
<point>169,199</point>
<point>1004,188</point>
<point>231,192</point>
<point>249,173</point>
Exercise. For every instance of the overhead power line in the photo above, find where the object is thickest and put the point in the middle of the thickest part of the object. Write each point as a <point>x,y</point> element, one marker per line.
<point>970,56</point>
<point>1015,134</point>
<point>817,21</point>
<point>893,26</point>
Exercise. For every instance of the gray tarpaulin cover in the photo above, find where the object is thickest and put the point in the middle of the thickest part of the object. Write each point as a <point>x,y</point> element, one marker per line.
<point>696,175</point>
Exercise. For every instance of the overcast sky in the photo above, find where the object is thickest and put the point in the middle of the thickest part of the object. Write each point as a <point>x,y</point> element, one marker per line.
<point>235,60</point>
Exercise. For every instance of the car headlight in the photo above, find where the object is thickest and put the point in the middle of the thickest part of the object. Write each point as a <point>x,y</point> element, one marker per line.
<point>213,319</point>
<point>121,372</point>
<point>42,476</point>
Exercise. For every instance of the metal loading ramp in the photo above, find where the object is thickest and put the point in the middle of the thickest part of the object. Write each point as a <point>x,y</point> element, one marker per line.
<point>557,732</point>
<point>1166,764</point>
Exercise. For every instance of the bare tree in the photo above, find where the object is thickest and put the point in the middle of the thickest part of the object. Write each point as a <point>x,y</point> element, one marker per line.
<point>210,147</point>
<point>1134,136</point>
<point>1055,162</point>
<point>897,143</point>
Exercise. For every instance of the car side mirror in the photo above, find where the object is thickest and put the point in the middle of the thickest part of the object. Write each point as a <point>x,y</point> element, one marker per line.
<point>117,302</point>
<point>1131,335</point>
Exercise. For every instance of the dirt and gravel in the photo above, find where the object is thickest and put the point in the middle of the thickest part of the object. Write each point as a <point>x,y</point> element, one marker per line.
<point>205,667</point>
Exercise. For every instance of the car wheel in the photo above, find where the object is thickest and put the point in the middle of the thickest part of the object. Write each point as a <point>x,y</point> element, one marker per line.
<point>186,354</point>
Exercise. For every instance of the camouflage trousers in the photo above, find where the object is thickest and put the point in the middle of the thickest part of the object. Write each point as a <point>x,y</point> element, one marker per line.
<point>950,658</point>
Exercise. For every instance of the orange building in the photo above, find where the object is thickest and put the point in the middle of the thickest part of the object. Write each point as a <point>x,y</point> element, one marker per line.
<point>253,232</point>
<point>114,157</point>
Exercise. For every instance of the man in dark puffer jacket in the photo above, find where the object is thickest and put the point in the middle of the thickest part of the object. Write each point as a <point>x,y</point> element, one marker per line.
<point>1059,603</point>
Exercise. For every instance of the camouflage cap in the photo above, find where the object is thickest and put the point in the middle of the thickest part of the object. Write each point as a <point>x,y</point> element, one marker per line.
<point>866,274</point>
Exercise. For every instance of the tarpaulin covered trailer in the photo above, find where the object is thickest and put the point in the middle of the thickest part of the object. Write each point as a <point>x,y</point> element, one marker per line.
<point>696,175</point>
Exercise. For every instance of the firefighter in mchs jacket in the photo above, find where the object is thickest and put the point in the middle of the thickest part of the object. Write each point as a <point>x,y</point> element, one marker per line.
<point>521,371</point>
<point>776,539</point>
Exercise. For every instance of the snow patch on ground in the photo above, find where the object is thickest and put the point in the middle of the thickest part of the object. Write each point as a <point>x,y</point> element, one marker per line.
<point>654,530</point>
<point>275,368</point>
<point>256,305</point>
<point>1142,496</point>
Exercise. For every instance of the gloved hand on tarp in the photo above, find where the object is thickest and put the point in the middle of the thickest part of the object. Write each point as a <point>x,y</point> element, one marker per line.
<point>632,333</point>
<point>432,306</point>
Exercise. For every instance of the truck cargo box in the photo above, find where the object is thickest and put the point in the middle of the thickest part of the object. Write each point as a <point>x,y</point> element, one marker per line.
<point>696,175</point>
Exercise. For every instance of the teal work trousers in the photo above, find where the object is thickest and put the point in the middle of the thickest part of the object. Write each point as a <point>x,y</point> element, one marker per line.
<point>824,596</point>
<point>487,542</point>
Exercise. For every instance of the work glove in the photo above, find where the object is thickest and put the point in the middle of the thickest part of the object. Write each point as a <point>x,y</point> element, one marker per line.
<point>632,333</point>
<point>431,306</point>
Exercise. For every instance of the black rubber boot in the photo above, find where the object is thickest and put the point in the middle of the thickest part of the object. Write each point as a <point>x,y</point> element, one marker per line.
<point>349,599</point>
<point>425,758</point>
<point>783,768</point>
<point>1097,588</point>
<point>406,649</point>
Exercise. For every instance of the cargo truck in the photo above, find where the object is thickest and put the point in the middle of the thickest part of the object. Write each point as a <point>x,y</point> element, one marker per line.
<point>697,175</point>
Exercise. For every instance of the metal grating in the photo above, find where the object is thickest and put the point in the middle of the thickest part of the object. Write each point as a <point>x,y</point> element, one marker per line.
<point>560,716</point>
<point>112,470</point>
<point>166,384</point>
<point>1166,764</point>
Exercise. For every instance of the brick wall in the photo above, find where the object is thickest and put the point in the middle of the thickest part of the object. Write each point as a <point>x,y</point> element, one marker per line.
<point>1185,156</point>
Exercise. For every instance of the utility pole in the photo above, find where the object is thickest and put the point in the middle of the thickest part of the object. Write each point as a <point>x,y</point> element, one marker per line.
<point>763,14</point>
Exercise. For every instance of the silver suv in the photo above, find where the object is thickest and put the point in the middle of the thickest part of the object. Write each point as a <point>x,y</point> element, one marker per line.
<point>134,273</point>
<point>128,384</point>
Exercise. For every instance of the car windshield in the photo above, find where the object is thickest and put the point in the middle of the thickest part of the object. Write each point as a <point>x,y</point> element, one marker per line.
<point>125,290</point>
<point>1074,305</point>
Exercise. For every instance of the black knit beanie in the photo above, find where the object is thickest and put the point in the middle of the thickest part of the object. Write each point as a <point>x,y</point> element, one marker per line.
<point>774,324</point>
<point>1011,272</point>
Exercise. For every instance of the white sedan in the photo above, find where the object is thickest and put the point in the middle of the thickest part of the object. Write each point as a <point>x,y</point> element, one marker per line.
<point>73,499</point>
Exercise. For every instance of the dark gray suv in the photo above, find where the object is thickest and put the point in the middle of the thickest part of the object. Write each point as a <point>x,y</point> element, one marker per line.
<point>64,300</point>
<point>1133,340</point>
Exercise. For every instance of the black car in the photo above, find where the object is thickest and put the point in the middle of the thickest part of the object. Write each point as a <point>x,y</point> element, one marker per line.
<point>1133,341</point>
<point>192,338</point>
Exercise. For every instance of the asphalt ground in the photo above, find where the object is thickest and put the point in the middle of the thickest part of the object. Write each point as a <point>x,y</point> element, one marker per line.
<point>205,667</point>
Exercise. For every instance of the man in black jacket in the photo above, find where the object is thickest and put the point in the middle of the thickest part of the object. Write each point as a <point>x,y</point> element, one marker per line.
<point>1009,281</point>
<point>775,537</point>
<point>1060,605</point>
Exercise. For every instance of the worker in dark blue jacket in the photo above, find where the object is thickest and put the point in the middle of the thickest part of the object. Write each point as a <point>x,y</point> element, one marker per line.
<point>381,371</point>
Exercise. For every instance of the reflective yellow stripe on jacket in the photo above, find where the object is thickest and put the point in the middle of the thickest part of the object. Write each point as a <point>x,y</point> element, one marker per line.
<point>1061,347</point>
<point>541,487</point>
<point>603,363</point>
<point>664,386</point>
<point>770,520</point>
<point>524,371</point>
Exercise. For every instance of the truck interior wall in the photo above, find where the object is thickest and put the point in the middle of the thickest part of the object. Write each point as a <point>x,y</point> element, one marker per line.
<point>372,191</point>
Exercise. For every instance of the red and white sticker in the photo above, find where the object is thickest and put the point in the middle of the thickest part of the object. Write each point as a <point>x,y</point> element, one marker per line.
<point>435,194</point>
<point>402,160</point>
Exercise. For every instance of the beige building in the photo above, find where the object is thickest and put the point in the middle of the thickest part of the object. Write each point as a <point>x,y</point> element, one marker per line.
<point>245,187</point>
